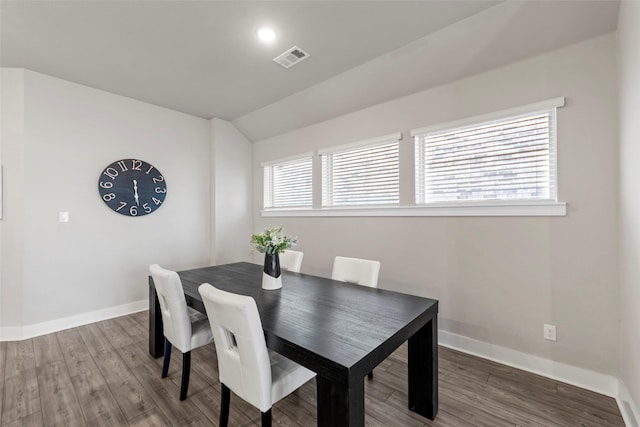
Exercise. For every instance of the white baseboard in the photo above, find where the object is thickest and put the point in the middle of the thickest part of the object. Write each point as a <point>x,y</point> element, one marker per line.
<point>19,333</point>
<point>628,408</point>
<point>580,377</point>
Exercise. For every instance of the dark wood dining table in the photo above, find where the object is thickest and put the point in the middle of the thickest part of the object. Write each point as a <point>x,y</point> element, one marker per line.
<point>339,330</point>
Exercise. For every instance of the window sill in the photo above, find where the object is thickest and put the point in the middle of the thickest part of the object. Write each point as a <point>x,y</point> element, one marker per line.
<point>549,208</point>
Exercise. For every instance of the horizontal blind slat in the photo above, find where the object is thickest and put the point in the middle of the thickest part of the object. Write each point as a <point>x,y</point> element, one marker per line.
<point>498,163</point>
<point>516,164</point>
<point>488,132</point>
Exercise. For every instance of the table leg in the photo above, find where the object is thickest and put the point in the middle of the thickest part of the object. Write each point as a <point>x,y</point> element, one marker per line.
<point>423,370</point>
<point>340,405</point>
<point>156,334</point>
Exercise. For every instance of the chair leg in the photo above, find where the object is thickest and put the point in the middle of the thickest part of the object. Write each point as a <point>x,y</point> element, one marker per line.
<point>167,358</point>
<point>186,368</point>
<point>370,375</point>
<point>224,405</point>
<point>266,418</point>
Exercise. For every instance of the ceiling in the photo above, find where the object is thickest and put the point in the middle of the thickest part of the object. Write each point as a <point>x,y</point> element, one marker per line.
<point>203,58</point>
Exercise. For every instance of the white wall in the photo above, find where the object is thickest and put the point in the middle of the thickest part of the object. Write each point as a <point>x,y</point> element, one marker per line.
<point>54,272</point>
<point>231,196</point>
<point>498,280</point>
<point>629,65</point>
<point>12,159</point>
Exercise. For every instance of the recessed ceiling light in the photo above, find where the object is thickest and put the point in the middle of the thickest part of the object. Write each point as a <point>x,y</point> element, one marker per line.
<point>266,34</point>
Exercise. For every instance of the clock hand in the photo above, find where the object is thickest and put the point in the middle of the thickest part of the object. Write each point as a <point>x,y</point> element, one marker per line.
<point>135,191</point>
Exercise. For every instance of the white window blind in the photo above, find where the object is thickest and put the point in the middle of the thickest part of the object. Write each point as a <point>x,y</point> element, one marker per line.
<point>362,174</point>
<point>288,184</point>
<point>509,158</point>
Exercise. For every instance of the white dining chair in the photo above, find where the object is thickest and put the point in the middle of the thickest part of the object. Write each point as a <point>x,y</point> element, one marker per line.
<point>183,327</point>
<point>291,260</point>
<point>259,376</point>
<point>355,270</point>
<point>359,271</point>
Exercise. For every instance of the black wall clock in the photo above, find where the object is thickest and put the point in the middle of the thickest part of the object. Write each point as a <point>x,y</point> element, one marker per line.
<point>132,187</point>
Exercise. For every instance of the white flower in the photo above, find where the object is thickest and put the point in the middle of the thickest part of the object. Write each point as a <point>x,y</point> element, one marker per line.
<point>271,241</point>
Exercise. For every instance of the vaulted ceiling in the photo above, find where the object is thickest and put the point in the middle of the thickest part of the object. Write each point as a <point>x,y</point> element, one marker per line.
<point>203,57</point>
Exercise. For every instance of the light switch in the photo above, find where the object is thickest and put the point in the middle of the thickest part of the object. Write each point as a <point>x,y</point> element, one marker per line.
<point>64,216</point>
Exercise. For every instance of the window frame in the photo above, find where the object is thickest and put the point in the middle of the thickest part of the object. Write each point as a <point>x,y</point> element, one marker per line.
<point>371,143</point>
<point>268,188</point>
<point>547,207</point>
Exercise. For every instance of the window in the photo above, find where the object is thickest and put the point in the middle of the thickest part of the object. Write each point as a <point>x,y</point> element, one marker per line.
<point>508,157</point>
<point>365,173</point>
<point>288,184</point>
<point>497,164</point>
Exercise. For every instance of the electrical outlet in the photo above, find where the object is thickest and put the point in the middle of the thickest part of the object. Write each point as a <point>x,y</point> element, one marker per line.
<point>64,217</point>
<point>549,332</point>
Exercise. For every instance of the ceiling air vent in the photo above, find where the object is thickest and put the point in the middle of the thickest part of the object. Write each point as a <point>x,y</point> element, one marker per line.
<point>291,57</point>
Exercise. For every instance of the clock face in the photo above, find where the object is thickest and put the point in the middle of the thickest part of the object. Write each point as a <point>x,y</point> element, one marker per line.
<point>132,187</point>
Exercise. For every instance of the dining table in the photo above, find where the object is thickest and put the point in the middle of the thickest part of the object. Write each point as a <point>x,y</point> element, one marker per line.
<point>339,330</point>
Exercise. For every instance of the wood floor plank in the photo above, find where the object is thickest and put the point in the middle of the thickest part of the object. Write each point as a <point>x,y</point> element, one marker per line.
<point>3,359</point>
<point>47,349</point>
<point>394,378</point>
<point>114,333</point>
<point>536,409</point>
<point>21,392</point>
<point>32,420</point>
<point>499,370</point>
<point>204,366</point>
<point>76,354</point>
<point>482,396</point>
<point>151,418</point>
<point>132,398</point>
<point>297,407</point>
<point>98,405</point>
<point>464,369</point>
<point>502,413</point>
<point>379,387</point>
<point>97,402</point>
<point>390,415</point>
<point>96,342</point>
<point>308,393</point>
<point>472,415</point>
<point>104,372</point>
<point>135,330</point>
<point>208,401</point>
<point>142,317</point>
<point>60,406</point>
<point>568,406</point>
<point>163,391</point>
<point>202,370</point>
<point>283,418</point>
<point>542,391</point>
<point>592,398</point>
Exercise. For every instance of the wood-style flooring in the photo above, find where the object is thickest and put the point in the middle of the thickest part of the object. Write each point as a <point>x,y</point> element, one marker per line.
<point>102,375</point>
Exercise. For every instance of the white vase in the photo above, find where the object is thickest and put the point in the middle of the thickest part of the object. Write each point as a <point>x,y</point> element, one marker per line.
<point>271,277</point>
<point>270,282</point>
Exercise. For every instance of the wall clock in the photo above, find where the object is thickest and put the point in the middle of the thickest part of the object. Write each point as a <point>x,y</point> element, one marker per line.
<point>132,187</point>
